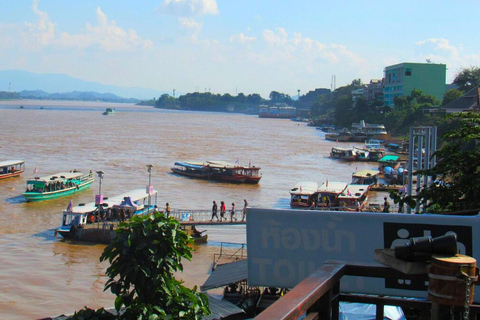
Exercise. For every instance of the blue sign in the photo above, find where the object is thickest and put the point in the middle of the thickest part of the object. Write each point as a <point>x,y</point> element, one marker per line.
<point>285,246</point>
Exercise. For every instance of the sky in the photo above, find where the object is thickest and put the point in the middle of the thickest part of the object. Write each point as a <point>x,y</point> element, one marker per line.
<point>232,46</point>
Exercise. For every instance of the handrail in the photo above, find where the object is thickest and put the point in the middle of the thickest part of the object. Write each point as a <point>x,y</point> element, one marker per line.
<point>318,296</point>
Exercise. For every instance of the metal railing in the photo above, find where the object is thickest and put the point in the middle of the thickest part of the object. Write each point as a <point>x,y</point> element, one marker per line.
<point>230,251</point>
<point>318,296</point>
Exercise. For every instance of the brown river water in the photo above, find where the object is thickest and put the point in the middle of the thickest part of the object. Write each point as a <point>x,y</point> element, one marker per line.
<point>41,275</point>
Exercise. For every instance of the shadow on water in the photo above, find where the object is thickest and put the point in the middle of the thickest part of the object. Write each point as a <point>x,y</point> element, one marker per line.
<point>16,199</point>
<point>47,235</point>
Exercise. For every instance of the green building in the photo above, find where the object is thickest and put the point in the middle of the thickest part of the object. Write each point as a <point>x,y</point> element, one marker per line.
<point>401,79</point>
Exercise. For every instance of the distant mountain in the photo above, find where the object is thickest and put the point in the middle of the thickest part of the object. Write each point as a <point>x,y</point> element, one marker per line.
<point>60,83</point>
<point>75,95</point>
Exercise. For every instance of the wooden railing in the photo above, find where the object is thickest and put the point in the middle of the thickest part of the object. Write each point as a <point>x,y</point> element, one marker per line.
<point>318,296</point>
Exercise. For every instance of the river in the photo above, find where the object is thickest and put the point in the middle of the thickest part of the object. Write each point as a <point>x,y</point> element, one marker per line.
<point>41,275</point>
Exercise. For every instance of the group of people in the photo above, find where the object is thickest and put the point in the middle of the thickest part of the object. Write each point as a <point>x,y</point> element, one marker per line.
<point>223,211</point>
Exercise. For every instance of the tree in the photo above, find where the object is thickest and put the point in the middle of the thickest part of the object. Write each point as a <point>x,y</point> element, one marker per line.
<point>456,175</point>
<point>467,79</point>
<point>451,95</point>
<point>143,257</point>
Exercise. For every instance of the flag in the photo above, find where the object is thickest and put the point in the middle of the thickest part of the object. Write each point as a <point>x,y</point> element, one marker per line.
<point>35,170</point>
<point>348,192</point>
<point>327,183</point>
<point>236,161</point>
<point>70,206</point>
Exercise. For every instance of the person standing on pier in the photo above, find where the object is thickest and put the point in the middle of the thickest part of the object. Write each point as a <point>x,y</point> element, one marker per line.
<point>232,213</point>
<point>214,211</point>
<point>223,209</point>
<point>244,211</point>
<point>167,209</point>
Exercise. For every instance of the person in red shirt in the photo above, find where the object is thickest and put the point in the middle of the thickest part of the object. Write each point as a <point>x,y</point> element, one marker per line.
<point>223,209</point>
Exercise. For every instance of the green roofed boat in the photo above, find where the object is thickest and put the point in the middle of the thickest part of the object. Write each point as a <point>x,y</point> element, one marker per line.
<point>57,185</point>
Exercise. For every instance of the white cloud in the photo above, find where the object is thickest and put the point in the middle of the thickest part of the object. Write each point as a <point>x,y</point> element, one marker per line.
<point>440,50</point>
<point>106,34</point>
<point>43,31</point>
<point>442,45</point>
<point>241,38</point>
<point>298,47</point>
<point>189,7</point>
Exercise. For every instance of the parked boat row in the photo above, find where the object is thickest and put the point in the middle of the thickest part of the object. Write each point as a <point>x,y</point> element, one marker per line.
<point>372,151</point>
<point>360,132</point>
<point>218,170</point>
<point>334,195</point>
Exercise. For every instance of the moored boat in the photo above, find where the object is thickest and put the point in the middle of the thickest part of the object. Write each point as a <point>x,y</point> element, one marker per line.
<point>343,153</point>
<point>373,131</point>
<point>303,194</point>
<point>95,222</point>
<point>328,192</point>
<point>342,136</point>
<point>366,177</point>
<point>57,185</point>
<point>11,168</point>
<point>354,197</point>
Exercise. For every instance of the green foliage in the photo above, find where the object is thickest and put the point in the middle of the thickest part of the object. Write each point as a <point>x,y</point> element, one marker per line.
<point>90,314</point>
<point>143,257</point>
<point>467,79</point>
<point>457,171</point>
<point>451,95</point>
<point>5,95</point>
<point>412,110</point>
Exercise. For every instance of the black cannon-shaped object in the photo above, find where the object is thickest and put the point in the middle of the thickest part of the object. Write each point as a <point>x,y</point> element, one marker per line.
<point>422,248</point>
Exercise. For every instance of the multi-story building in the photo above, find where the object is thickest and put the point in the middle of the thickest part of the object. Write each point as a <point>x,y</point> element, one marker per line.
<point>374,91</point>
<point>401,79</point>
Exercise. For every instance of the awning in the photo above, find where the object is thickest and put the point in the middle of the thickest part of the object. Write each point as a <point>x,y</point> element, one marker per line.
<point>221,308</point>
<point>225,274</point>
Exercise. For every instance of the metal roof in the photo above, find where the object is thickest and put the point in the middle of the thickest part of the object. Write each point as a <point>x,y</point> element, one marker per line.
<point>59,176</point>
<point>304,187</point>
<point>10,162</point>
<point>221,308</point>
<point>225,274</point>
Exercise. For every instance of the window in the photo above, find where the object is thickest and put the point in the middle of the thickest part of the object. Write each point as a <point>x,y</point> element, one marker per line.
<point>408,72</point>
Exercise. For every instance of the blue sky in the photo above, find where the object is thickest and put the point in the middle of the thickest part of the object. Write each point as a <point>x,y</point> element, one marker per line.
<point>228,46</point>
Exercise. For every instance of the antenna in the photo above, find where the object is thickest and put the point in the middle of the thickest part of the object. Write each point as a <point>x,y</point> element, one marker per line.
<point>333,84</point>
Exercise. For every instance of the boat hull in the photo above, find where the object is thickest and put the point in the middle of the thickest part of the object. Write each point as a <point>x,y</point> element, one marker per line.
<point>11,175</point>
<point>197,175</point>
<point>40,196</point>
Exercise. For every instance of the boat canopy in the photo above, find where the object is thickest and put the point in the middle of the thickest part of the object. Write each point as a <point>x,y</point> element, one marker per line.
<point>332,187</point>
<point>304,188</point>
<point>366,173</point>
<point>389,158</point>
<point>133,196</point>
<point>223,164</point>
<point>191,165</point>
<point>354,191</point>
<point>10,163</point>
<point>59,176</point>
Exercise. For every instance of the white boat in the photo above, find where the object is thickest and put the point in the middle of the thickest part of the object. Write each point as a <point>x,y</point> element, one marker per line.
<point>95,222</point>
<point>11,168</point>
<point>354,197</point>
<point>348,154</point>
<point>303,194</point>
